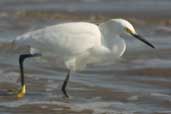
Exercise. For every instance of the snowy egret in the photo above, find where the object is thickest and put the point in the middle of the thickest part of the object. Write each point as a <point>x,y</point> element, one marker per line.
<point>76,44</point>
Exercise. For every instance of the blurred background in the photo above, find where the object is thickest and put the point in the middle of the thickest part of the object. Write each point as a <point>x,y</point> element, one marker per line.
<point>139,84</point>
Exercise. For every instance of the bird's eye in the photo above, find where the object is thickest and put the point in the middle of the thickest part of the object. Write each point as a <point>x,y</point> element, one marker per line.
<point>128,30</point>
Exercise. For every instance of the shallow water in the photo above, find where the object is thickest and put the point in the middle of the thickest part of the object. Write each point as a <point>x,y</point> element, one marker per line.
<point>137,84</point>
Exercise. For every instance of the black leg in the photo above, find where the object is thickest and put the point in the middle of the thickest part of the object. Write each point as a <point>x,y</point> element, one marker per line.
<point>21,61</point>
<point>65,84</point>
<point>22,57</point>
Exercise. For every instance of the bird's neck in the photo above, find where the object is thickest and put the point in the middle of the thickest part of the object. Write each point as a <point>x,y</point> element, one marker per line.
<point>112,40</point>
<point>107,35</point>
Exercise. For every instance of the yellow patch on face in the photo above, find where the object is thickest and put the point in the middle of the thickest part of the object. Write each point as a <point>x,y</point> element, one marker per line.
<point>128,30</point>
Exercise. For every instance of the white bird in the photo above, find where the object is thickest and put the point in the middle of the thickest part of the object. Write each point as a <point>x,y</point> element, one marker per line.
<point>76,44</point>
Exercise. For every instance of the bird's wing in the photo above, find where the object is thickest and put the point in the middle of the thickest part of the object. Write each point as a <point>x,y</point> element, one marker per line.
<point>63,39</point>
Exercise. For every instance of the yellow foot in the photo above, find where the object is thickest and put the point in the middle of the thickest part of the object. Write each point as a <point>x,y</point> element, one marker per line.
<point>21,93</point>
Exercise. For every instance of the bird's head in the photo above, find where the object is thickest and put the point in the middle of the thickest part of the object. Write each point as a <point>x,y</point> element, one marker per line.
<point>123,26</point>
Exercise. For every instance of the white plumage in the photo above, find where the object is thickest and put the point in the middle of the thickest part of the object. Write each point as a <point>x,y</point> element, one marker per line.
<point>76,44</point>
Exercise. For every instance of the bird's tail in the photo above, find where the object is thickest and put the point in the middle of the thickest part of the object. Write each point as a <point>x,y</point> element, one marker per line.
<point>10,47</point>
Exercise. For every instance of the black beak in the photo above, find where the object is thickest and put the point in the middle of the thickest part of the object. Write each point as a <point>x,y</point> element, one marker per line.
<point>143,40</point>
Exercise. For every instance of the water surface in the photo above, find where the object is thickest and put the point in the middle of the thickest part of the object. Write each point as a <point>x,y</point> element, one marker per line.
<point>137,84</point>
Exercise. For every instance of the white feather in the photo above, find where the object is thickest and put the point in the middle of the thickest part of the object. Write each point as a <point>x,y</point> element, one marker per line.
<point>77,44</point>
